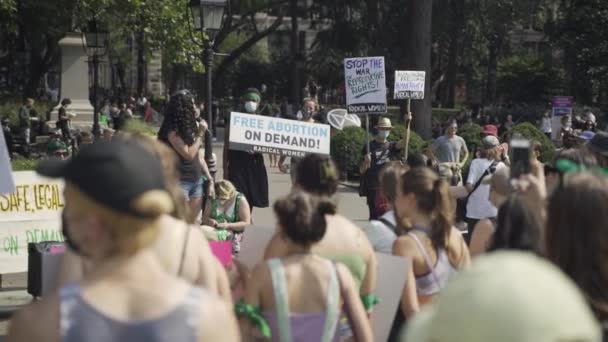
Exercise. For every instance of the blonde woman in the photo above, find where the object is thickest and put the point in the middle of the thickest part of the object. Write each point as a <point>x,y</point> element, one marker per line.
<point>128,294</point>
<point>191,259</point>
<point>227,214</point>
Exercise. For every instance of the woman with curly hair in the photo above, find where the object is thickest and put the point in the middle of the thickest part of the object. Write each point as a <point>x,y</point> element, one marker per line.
<point>184,135</point>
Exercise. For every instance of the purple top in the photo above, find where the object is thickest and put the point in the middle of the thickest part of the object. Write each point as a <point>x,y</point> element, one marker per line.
<point>305,327</point>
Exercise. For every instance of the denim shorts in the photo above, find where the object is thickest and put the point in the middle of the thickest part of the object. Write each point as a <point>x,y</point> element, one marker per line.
<point>192,189</point>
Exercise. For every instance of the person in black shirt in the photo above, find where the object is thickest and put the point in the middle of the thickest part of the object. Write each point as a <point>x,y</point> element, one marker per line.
<point>380,153</point>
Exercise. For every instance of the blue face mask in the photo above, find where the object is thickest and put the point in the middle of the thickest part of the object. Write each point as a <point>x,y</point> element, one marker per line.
<point>383,134</point>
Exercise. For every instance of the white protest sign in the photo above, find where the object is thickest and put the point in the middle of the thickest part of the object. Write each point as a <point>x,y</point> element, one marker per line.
<point>7,184</point>
<point>409,85</point>
<point>30,214</point>
<point>365,85</point>
<point>390,280</point>
<point>256,133</point>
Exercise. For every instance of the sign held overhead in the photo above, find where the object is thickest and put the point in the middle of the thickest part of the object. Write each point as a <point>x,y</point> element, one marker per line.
<point>409,85</point>
<point>365,85</point>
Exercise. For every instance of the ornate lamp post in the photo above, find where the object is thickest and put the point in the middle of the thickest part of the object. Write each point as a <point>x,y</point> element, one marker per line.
<point>207,17</point>
<point>96,40</point>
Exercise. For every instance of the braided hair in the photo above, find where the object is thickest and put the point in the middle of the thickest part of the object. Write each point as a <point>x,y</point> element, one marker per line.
<point>179,117</point>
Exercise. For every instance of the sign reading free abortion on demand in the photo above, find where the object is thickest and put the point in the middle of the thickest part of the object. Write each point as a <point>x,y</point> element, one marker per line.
<point>256,133</point>
<point>365,84</point>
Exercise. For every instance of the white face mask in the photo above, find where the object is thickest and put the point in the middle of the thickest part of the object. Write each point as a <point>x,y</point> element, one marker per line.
<point>251,106</point>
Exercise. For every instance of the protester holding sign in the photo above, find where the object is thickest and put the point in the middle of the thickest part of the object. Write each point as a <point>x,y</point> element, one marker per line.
<point>300,296</point>
<point>436,249</point>
<point>246,170</point>
<point>307,114</point>
<point>111,220</point>
<point>184,135</point>
<point>380,153</point>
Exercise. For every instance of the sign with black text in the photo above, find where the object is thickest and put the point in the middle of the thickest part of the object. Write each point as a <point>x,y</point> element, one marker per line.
<point>263,134</point>
<point>365,85</point>
<point>409,85</point>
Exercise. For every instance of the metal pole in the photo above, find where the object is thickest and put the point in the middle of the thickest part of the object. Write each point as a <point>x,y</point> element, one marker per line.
<point>208,61</point>
<point>367,130</point>
<point>96,128</point>
<point>407,132</point>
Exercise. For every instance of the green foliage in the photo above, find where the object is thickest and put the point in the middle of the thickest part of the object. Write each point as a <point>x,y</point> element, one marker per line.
<point>347,147</point>
<point>525,78</point>
<point>530,132</point>
<point>471,133</point>
<point>138,126</point>
<point>24,164</point>
<point>417,144</point>
<point>10,108</point>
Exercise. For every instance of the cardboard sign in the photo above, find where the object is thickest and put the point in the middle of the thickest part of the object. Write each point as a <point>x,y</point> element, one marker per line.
<point>32,213</point>
<point>365,85</point>
<point>7,184</point>
<point>409,85</point>
<point>255,240</point>
<point>561,106</point>
<point>390,280</point>
<point>256,133</point>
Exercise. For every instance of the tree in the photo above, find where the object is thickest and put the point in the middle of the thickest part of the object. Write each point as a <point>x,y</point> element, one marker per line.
<point>418,39</point>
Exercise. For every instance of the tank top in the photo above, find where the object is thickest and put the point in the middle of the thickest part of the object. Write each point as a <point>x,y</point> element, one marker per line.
<point>298,327</point>
<point>189,170</point>
<point>432,282</point>
<point>79,321</point>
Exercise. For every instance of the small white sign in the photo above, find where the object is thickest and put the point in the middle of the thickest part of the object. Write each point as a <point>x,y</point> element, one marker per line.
<point>409,85</point>
<point>256,133</point>
<point>365,85</point>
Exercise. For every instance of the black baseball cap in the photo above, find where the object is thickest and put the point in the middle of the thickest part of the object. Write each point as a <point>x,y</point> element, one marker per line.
<point>111,173</point>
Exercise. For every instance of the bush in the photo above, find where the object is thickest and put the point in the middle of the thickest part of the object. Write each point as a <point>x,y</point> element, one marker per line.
<point>24,164</point>
<point>529,131</point>
<point>417,144</point>
<point>346,149</point>
<point>138,126</point>
<point>471,133</point>
<point>10,108</point>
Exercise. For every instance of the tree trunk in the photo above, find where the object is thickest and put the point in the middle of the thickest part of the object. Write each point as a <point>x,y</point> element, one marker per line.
<point>492,71</point>
<point>458,20</point>
<point>141,63</point>
<point>418,39</point>
<point>294,49</point>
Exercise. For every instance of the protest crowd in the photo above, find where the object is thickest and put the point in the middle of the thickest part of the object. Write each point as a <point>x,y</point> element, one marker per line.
<point>494,245</point>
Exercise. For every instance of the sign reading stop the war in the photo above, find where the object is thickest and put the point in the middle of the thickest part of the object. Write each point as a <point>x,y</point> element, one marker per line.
<point>409,85</point>
<point>365,84</point>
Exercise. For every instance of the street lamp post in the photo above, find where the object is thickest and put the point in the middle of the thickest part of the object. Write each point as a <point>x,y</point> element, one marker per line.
<point>95,43</point>
<point>207,17</point>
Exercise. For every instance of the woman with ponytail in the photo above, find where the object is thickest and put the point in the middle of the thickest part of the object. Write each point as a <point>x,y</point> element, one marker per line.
<point>434,248</point>
<point>300,296</point>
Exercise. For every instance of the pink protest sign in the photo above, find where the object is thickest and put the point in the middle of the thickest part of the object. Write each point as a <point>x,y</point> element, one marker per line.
<point>222,251</point>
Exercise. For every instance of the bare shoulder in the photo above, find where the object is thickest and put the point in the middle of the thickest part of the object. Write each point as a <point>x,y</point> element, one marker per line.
<point>46,315</point>
<point>405,246</point>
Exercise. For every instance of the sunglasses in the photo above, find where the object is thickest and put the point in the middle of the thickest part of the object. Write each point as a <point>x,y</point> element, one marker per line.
<point>61,154</point>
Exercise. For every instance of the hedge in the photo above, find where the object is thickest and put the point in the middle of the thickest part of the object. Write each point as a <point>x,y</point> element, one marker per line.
<point>347,146</point>
<point>24,164</point>
<point>530,132</point>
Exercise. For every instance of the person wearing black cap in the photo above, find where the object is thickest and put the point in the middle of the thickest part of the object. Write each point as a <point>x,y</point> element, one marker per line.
<point>246,170</point>
<point>128,295</point>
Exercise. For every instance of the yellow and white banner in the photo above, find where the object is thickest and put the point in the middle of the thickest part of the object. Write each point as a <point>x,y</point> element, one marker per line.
<point>30,214</point>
